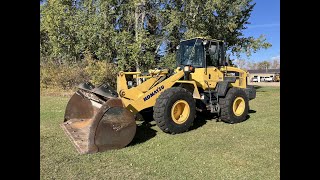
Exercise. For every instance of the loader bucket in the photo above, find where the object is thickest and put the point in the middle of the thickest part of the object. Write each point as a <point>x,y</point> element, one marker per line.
<point>94,126</point>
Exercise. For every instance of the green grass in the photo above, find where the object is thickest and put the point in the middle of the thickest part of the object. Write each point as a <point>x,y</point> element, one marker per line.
<point>213,150</point>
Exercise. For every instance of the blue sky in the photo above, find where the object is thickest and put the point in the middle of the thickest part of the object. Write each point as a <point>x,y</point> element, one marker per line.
<point>265,19</point>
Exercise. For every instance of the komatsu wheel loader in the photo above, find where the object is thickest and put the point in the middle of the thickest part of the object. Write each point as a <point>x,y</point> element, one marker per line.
<point>100,118</point>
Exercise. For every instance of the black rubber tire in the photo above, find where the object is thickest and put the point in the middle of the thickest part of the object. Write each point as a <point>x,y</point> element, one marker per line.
<point>226,104</point>
<point>162,110</point>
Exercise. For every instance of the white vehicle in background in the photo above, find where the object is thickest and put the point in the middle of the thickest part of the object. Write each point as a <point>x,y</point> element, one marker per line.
<point>254,79</point>
<point>268,79</point>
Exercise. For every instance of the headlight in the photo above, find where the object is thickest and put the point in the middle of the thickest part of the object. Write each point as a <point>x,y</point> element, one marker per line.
<point>188,69</point>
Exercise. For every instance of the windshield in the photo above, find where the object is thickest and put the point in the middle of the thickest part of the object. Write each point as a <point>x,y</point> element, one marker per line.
<point>191,53</point>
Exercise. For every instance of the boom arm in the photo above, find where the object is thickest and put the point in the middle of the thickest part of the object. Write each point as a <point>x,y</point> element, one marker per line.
<point>144,95</point>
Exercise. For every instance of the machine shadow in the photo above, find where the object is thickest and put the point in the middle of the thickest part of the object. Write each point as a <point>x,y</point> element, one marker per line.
<point>258,88</point>
<point>202,119</point>
<point>144,132</point>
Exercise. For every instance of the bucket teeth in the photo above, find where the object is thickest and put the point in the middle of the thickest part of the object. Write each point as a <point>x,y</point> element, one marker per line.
<point>77,131</point>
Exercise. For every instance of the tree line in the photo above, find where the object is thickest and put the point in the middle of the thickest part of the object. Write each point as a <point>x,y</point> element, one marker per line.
<point>139,34</point>
<point>266,64</point>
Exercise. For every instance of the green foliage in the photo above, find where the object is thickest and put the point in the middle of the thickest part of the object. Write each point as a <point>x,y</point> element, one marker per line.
<point>169,61</point>
<point>68,28</point>
<point>132,31</point>
<point>217,19</point>
<point>56,34</point>
<point>68,76</point>
<point>99,72</point>
<point>61,76</point>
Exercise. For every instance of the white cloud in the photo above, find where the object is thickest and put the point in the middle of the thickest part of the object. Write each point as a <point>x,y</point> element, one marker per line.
<point>276,57</point>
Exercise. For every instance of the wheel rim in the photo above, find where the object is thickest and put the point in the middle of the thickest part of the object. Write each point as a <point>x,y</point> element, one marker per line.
<point>180,111</point>
<point>238,106</point>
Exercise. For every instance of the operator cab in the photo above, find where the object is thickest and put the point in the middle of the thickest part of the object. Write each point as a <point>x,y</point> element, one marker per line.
<point>201,53</point>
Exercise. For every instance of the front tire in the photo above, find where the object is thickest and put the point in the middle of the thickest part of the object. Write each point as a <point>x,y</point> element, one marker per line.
<point>174,110</point>
<point>234,106</point>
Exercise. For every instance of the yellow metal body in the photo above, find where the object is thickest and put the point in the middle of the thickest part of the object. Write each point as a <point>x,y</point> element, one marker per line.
<point>277,78</point>
<point>144,95</point>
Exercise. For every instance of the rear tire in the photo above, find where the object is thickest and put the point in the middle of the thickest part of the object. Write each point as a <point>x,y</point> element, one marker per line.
<point>174,110</point>
<point>234,106</point>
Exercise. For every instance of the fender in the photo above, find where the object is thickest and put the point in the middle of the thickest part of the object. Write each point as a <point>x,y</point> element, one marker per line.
<point>222,86</point>
<point>195,93</point>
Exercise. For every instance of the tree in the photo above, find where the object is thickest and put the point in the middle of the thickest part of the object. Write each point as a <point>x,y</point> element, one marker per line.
<point>217,19</point>
<point>240,63</point>
<point>133,30</point>
<point>56,36</point>
<point>275,63</point>
<point>264,65</point>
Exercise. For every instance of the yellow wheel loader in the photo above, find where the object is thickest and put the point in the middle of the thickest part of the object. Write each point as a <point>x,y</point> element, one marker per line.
<point>100,118</point>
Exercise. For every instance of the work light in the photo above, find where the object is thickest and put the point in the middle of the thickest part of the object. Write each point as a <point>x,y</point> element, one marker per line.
<point>188,69</point>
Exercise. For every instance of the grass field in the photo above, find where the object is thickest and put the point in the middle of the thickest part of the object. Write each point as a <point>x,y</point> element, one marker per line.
<point>211,150</point>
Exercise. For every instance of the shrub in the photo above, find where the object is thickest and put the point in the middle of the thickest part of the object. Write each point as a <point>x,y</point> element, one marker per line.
<point>61,76</point>
<point>68,76</point>
<point>99,71</point>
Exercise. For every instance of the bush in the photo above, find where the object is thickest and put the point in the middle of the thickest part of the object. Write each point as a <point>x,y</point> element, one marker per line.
<point>61,76</point>
<point>100,72</point>
<point>68,76</point>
